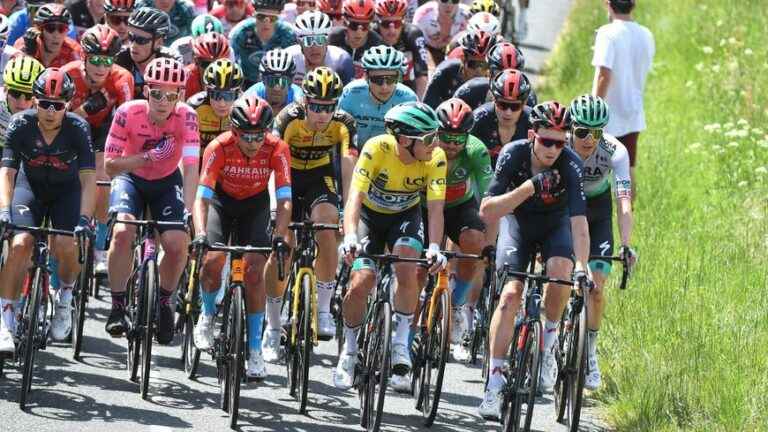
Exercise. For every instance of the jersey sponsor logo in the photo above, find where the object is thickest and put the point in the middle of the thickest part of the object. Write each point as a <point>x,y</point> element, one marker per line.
<point>404,227</point>
<point>22,209</point>
<point>510,250</point>
<point>179,194</point>
<point>460,173</point>
<point>121,118</point>
<point>382,179</point>
<point>604,248</point>
<point>48,161</point>
<point>392,201</point>
<point>456,191</point>
<point>415,183</point>
<point>250,172</point>
<point>300,153</point>
<point>167,210</point>
<point>593,172</point>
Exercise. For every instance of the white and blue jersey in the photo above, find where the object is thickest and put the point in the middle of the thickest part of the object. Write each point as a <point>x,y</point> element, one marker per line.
<point>295,94</point>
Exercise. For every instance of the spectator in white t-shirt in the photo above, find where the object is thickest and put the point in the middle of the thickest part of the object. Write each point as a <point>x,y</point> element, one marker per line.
<point>623,55</point>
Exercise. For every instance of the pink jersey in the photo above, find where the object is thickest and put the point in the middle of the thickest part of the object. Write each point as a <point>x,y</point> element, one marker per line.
<point>132,132</point>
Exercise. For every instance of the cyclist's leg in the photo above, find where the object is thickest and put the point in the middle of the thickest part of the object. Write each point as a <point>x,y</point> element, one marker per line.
<point>128,203</point>
<point>102,197</point>
<point>558,252</point>
<point>217,229</point>
<point>64,214</point>
<point>325,210</point>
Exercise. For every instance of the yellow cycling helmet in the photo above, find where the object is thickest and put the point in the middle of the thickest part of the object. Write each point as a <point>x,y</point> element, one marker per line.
<point>21,72</point>
<point>322,83</point>
<point>223,74</point>
<point>489,6</point>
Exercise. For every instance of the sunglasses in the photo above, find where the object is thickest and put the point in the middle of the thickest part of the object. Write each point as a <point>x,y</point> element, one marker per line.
<point>159,95</point>
<point>100,60</point>
<point>314,40</point>
<point>384,79</point>
<point>427,139</point>
<point>393,24</point>
<point>16,94</point>
<point>457,139</point>
<point>265,17</point>
<point>139,40</point>
<point>452,1</point>
<point>509,106</point>
<point>251,137</point>
<point>276,81</point>
<point>321,108</point>
<point>547,142</point>
<point>583,132</point>
<point>51,105</point>
<point>476,64</point>
<point>117,20</point>
<point>55,28</point>
<point>222,95</point>
<point>355,25</point>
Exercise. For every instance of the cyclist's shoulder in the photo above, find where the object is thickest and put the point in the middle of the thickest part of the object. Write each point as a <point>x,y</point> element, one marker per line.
<point>483,112</point>
<point>135,108</point>
<point>403,93</point>
<point>184,112</point>
<point>475,148</point>
<point>292,112</point>
<point>514,151</point>
<point>356,88</point>
<point>342,118</point>
<point>74,121</point>
<point>379,146</point>
<point>23,120</point>
<point>74,69</point>
<point>448,67</point>
<point>197,100</point>
<point>438,160</point>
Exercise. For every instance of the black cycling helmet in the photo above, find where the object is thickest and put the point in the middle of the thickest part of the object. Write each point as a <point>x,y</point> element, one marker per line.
<point>551,115</point>
<point>53,83</point>
<point>150,20</point>
<point>270,5</point>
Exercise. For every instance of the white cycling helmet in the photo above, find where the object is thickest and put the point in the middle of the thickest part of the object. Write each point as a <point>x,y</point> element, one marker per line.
<point>4,27</point>
<point>484,21</point>
<point>312,23</point>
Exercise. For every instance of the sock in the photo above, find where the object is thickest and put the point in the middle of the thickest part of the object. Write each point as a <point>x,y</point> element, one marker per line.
<point>65,293</point>
<point>209,303</point>
<point>592,338</point>
<point>255,324</point>
<point>165,296</point>
<point>53,265</point>
<point>469,313</point>
<point>274,304</point>
<point>402,328</point>
<point>8,313</point>
<point>101,236</point>
<point>350,339</point>
<point>118,301</point>
<point>550,334</point>
<point>459,288</point>
<point>324,294</point>
<point>496,377</point>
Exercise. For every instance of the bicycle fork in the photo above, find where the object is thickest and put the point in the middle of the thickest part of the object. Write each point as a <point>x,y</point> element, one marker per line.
<point>297,292</point>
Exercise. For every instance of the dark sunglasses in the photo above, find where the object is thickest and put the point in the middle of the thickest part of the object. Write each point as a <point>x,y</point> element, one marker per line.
<point>583,132</point>
<point>355,25</point>
<point>222,95</point>
<point>158,95</point>
<point>476,64</point>
<point>509,106</point>
<point>51,105</point>
<point>452,1</point>
<point>321,108</point>
<point>265,17</point>
<point>395,24</point>
<point>457,139</point>
<point>547,142</point>
<point>276,81</point>
<point>139,40</point>
<point>251,137</point>
<point>55,28</point>
<point>100,60</point>
<point>117,20</point>
<point>384,79</point>
<point>16,94</point>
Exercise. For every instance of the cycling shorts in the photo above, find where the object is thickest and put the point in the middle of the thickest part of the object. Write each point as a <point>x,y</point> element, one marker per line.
<point>310,188</point>
<point>28,208</point>
<point>247,220</point>
<point>456,219</point>
<point>518,236</point>
<point>599,218</point>
<point>165,197</point>
<point>99,135</point>
<point>377,230</point>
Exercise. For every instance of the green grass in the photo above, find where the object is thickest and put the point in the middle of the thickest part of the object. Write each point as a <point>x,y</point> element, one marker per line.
<point>686,346</point>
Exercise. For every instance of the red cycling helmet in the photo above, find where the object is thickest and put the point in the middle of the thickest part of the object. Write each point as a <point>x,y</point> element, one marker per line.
<point>358,10</point>
<point>101,40</point>
<point>210,46</point>
<point>330,7</point>
<point>511,84</point>
<point>53,83</point>
<point>551,115</point>
<point>391,8</point>
<point>455,116</point>
<point>115,6</point>
<point>250,112</point>
<point>165,71</point>
<point>505,55</point>
<point>477,43</point>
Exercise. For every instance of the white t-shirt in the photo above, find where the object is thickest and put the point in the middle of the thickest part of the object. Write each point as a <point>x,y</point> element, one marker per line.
<point>627,49</point>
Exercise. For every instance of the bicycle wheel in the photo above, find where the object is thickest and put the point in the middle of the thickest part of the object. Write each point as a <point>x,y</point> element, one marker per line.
<point>80,298</point>
<point>291,346</point>
<point>377,362</point>
<point>190,355</point>
<point>578,375</point>
<point>492,300</point>
<point>569,387</point>
<point>135,311</point>
<point>236,351</point>
<point>433,368</point>
<point>28,348</point>
<point>150,287</point>
<point>525,378</point>
<point>221,351</point>
<point>304,342</point>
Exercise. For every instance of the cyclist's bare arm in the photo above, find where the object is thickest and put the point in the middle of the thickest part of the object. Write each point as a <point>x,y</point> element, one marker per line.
<point>436,222</point>
<point>352,210</point>
<point>191,177</point>
<point>625,218</point>
<point>283,218</point>
<point>602,81</point>
<point>348,162</point>
<point>200,214</point>
<point>123,164</point>
<point>87,192</point>
<point>493,208</point>
<point>580,233</point>
<point>7,183</point>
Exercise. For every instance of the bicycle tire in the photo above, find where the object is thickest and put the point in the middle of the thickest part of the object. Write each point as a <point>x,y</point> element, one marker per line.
<point>304,341</point>
<point>525,381</point>
<point>151,289</point>
<point>236,352</point>
<point>31,315</point>
<point>437,356</point>
<point>492,301</point>
<point>291,356</point>
<point>377,366</point>
<point>135,311</point>
<point>190,355</point>
<point>221,351</point>
<point>80,297</point>
<point>576,387</point>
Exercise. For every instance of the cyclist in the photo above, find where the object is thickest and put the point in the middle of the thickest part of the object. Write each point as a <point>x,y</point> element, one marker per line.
<point>8,7</point>
<point>535,197</point>
<point>369,99</point>
<point>451,73</point>
<point>406,38</point>
<point>469,173</point>
<point>254,36</point>
<point>383,210</point>
<point>46,41</point>
<point>440,21</point>
<point>232,12</point>
<point>223,81</point>
<point>21,20</point>
<point>6,51</point>
<point>276,86</point>
<point>507,118</point>
<point>312,49</point>
<point>180,12</point>
<point>85,14</point>
<point>100,87</point>
<point>117,14</point>
<point>201,25</point>
<point>207,48</point>
<point>332,8</point>
<point>47,169</point>
<point>233,199</point>
<point>604,157</point>
<point>295,8</point>
<point>482,21</point>
<point>318,136</point>
<point>356,36</point>
<point>18,76</point>
<point>148,141</point>
<point>487,6</point>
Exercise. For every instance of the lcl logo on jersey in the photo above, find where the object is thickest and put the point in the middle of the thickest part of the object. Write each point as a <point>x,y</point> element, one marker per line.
<point>415,183</point>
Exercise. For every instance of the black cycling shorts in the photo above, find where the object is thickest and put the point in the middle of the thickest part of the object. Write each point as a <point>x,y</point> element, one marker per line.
<point>29,207</point>
<point>310,188</point>
<point>599,217</point>
<point>165,197</point>
<point>377,230</point>
<point>99,135</point>
<point>246,219</point>
<point>461,218</point>
<point>518,236</point>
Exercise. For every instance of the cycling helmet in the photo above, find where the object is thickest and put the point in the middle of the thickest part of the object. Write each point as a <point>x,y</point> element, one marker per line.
<point>54,83</point>
<point>206,24</point>
<point>114,6</point>
<point>36,3</point>
<point>455,116</point>
<point>383,57</point>
<point>250,112</point>
<point>311,23</point>
<point>210,46</point>
<point>476,43</point>
<point>550,115</point>
<point>101,40</point>
<point>358,10</point>
<point>21,72</point>
<point>270,5</point>
<point>411,119</point>
<point>150,20</point>
<point>505,55</point>
<point>330,7</point>
<point>277,62</point>
<point>52,13</point>
<point>484,21</point>
<point>590,111</point>
<point>322,83</point>
<point>511,84</point>
<point>4,27</point>
<point>391,8</point>
<point>165,71</point>
<point>223,74</point>
<point>488,6</point>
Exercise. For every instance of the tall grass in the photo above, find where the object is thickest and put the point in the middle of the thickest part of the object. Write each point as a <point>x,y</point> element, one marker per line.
<point>686,346</point>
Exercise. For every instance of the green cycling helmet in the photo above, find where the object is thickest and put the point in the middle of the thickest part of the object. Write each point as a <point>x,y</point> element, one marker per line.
<point>383,57</point>
<point>411,119</point>
<point>589,111</point>
<point>206,24</point>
